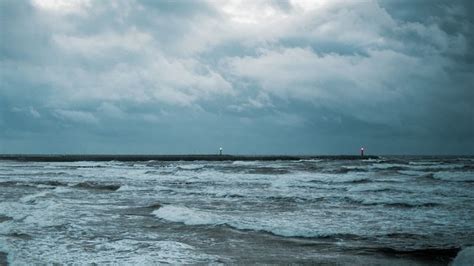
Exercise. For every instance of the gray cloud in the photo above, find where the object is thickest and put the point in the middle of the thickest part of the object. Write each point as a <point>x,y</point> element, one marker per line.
<point>254,77</point>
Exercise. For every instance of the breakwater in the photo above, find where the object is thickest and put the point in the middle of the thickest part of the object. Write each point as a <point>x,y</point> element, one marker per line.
<point>182,157</point>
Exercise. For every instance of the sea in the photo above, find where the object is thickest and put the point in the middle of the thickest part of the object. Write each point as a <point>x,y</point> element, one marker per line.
<point>381,211</point>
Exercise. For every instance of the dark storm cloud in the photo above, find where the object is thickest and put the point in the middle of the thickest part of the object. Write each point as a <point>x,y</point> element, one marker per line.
<point>254,77</point>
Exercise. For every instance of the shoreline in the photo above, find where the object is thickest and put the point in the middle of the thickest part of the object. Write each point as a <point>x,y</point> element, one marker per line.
<point>184,157</point>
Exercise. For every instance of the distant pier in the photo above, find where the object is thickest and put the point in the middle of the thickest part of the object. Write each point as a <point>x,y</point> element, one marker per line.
<point>189,157</point>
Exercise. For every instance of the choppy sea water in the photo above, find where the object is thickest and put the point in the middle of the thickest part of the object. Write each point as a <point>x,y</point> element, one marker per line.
<point>393,210</point>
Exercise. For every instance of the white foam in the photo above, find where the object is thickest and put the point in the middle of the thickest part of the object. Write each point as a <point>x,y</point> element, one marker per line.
<point>33,197</point>
<point>12,209</point>
<point>385,165</point>
<point>187,216</point>
<point>372,160</point>
<point>48,213</point>
<point>62,190</point>
<point>121,252</point>
<point>245,163</point>
<point>44,213</point>
<point>310,160</point>
<point>191,166</point>
<point>132,188</point>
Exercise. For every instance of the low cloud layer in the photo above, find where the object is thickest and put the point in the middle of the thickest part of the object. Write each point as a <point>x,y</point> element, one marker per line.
<point>310,77</point>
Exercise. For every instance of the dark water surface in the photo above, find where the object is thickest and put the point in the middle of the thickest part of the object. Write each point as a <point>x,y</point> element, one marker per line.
<point>391,210</point>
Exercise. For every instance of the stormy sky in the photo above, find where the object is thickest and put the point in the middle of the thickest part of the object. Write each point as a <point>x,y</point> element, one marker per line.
<point>253,77</point>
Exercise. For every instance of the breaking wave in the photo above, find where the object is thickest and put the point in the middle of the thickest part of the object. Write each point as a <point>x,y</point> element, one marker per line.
<point>454,176</point>
<point>282,228</point>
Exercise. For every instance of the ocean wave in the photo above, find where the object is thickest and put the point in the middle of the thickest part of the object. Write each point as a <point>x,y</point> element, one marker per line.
<point>140,211</point>
<point>345,170</point>
<point>313,168</point>
<point>153,206</point>
<point>33,184</point>
<point>348,179</point>
<point>442,254</point>
<point>374,188</point>
<point>378,208</point>
<point>113,252</point>
<point>85,166</point>
<point>34,197</point>
<point>137,188</point>
<point>97,186</point>
<point>267,171</point>
<point>413,173</point>
<point>393,161</point>
<point>48,174</point>
<point>163,172</point>
<point>35,174</point>
<point>245,163</point>
<point>408,205</point>
<point>424,162</point>
<point>438,168</point>
<point>10,183</point>
<point>213,193</point>
<point>191,167</point>
<point>51,183</point>
<point>294,199</point>
<point>282,228</point>
<point>152,172</point>
<point>311,160</point>
<point>454,176</point>
<point>188,216</point>
<point>402,236</point>
<point>144,253</point>
<point>62,189</point>
<point>467,167</point>
<point>46,212</point>
<point>4,218</point>
<point>465,257</point>
<point>448,176</point>
<point>391,203</point>
<point>393,168</point>
<point>22,236</point>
